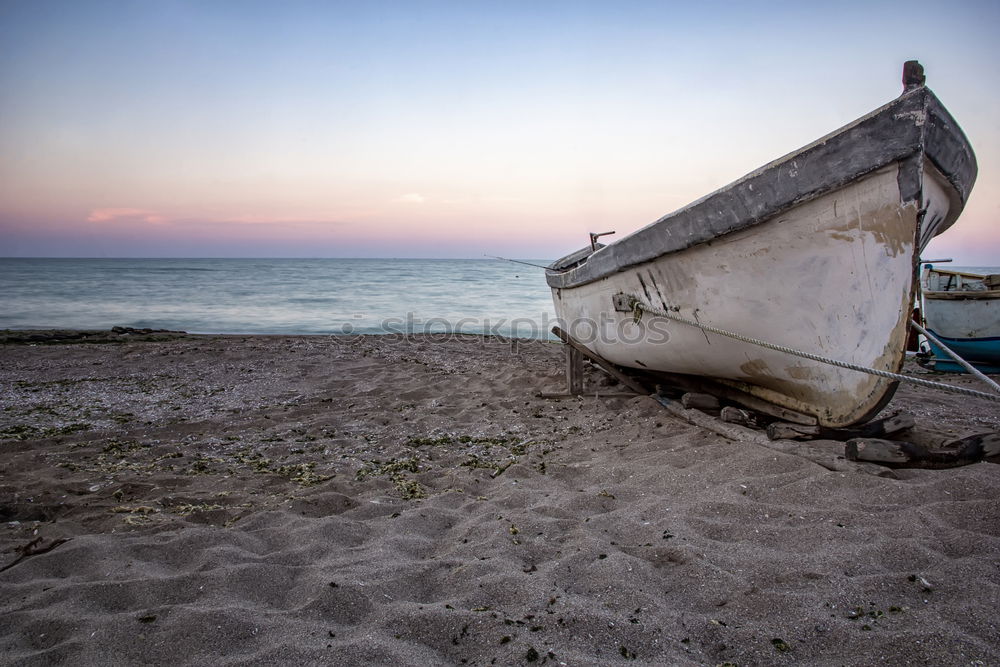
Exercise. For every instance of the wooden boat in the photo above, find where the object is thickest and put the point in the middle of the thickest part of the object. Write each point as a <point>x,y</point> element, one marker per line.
<point>817,251</point>
<point>962,310</point>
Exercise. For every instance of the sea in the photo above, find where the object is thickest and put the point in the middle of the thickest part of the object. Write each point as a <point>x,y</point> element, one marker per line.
<point>283,296</point>
<point>279,296</point>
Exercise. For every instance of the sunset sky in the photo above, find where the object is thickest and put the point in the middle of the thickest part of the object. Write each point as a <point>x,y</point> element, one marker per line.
<point>165,128</point>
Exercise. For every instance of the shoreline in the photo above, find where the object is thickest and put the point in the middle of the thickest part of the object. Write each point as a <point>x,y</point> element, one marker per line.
<point>63,336</point>
<point>280,498</point>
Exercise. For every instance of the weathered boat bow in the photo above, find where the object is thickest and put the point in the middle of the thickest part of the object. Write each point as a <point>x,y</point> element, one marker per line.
<point>817,250</point>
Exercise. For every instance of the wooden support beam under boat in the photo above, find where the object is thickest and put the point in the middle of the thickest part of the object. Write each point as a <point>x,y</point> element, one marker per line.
<point>607,366</point>
<point>692,400</point>
<point>722,391</point>
<point>878,428</point>
<point>747,418</point>
<point>899,454</point>
<point>574,370</point>
<point>787,431</point>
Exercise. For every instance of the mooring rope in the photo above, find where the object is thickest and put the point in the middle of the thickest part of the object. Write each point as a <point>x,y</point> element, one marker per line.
<point>638,307</point>
<point>517,261</point>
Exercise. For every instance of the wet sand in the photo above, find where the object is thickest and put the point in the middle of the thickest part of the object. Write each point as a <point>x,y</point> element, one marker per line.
<point>379,500</point>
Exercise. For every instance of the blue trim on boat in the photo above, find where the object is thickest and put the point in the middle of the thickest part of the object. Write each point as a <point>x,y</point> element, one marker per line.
<point>983,353</point>
<point>986,339</point>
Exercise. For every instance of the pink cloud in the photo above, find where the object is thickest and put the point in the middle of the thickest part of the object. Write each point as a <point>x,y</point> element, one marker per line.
<point>136,214</point>
<point>412,198</point>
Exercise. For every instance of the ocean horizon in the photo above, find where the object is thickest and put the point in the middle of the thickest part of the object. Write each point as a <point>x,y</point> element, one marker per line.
<point>334,296</point>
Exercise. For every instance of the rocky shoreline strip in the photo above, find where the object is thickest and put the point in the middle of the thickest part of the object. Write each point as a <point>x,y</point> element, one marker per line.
<point>62,336</point>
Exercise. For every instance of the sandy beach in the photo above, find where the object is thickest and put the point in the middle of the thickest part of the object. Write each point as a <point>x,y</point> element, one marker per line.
<point>383,500</point>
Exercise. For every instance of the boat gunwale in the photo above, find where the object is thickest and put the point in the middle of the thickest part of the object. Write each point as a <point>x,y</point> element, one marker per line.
<point>933,268</point>
<point>961,295</point>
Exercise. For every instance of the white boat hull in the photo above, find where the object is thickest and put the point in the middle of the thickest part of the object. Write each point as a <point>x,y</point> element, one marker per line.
<point>796,281</point>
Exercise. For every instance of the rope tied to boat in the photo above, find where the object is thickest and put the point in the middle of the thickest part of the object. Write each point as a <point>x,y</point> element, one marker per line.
<point>638,308</point>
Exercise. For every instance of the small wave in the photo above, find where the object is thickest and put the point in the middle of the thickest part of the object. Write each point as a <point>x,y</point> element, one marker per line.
<point>322,300</point>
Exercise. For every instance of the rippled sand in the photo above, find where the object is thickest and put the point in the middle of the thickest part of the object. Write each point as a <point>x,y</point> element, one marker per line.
<point>380,500</point>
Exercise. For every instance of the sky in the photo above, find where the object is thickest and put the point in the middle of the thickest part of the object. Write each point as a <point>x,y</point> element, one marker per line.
<point>236,128</point>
